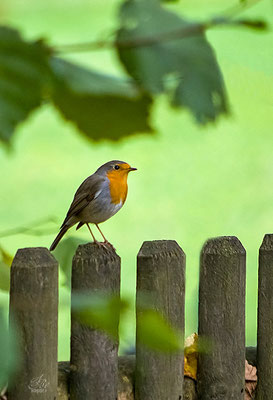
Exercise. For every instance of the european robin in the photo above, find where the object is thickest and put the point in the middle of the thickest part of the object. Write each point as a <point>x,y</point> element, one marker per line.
<point>98,198</point>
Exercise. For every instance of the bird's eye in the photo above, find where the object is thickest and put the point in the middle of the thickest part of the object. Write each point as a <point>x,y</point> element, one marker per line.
<point>117,167</point>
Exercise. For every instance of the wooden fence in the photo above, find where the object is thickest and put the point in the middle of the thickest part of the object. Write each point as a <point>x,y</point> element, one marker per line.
<point>95,371</point>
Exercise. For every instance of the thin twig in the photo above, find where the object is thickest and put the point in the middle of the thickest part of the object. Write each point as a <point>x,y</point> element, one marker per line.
<point>181,33</point>
<point>30,230</point>
<point>190,30</point>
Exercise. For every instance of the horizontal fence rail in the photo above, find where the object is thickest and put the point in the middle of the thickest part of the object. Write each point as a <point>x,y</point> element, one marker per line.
<point>95,371</point>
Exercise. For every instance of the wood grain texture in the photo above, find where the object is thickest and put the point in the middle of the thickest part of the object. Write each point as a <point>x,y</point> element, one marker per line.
<point>126,380</point>
<point>94,355</point>
<point>265,320</point>
<point>222,319</point>
<point>161,274</point>
<point>34,307</point>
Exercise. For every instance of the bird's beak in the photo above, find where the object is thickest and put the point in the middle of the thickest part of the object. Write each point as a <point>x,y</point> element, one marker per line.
<point>132,169</point>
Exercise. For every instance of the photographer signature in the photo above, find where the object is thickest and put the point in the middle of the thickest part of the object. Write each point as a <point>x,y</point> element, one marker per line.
<point>38,385</point>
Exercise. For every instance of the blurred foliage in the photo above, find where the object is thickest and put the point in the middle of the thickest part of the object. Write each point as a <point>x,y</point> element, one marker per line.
<point>188,63</point>
<point>24,75</point>
<point>163,53</point>
<point>155,332</point>
<point>103,311</point>
<point>5,263</point>
<point>97,103</point>
<point>215,163</point>
<point>99,310</point>
<point>9,352</point>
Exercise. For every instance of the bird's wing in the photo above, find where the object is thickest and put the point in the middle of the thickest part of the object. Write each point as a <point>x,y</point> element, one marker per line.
<point>84,195</point>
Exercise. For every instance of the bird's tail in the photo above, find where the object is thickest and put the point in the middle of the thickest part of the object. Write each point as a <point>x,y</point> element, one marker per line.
<point>58,237</point>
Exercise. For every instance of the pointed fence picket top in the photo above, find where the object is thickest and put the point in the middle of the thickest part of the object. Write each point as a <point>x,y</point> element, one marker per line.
<point>221,364</point>
<point>34,310</point>
<point>161,275</point>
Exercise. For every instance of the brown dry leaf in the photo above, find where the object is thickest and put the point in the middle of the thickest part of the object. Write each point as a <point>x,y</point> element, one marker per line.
<point>250,372</point>
<point>251,381</point>
<point>191,356</point>
<point>190,366</point>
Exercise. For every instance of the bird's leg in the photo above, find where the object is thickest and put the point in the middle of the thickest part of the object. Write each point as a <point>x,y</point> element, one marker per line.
<point>105,240</point>
<point>95,240</point>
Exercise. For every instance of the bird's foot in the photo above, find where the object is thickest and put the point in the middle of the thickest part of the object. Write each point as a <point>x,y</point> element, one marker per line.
<point>105,244</point>
<point>109,244</point>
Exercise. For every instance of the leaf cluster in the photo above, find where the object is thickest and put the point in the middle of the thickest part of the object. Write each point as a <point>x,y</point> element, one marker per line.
<point>163,54</point>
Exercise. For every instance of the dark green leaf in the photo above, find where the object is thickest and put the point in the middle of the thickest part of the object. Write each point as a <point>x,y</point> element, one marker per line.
<point>155,333</point>
<point>165,53</point>
<point>24,75</point>
<point>100,311</point>
<point>253,24</point>
<point>102,107</point>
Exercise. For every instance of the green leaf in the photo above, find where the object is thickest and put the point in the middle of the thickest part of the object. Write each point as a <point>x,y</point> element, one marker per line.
<point>155,333</point>
<point>24,77</point>
<point>9,352</point>
<point>5,263</point>
<point>99,310</point>
<point>165,53</point>
<point>4,276</point>
<point>102,107</point>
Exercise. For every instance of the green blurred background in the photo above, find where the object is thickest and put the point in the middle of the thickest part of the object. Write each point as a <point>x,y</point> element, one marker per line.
<point>192,183</point>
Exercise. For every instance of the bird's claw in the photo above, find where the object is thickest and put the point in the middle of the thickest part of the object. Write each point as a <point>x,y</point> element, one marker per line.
<point>105,244</point>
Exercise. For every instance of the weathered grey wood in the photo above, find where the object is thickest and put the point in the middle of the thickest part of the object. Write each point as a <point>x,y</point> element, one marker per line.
<point>126,377</point>
<point>94,355</point>
<point>34,307</point>
<point>161,274</point>
<point>190,392</point>
<point>126,380</point>
<point>222,319</point>
<point>63,380</point>
<point>265,320</point>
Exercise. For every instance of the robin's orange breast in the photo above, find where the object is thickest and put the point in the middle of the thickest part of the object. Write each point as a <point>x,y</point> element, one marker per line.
<point>118,186</point>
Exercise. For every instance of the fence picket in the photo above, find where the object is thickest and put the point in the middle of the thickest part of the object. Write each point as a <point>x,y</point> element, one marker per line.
<point>265,318</point>
<point>94,354</point>
<point>161,273</point>
<point>34,307</point>
<point>222,320</point>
